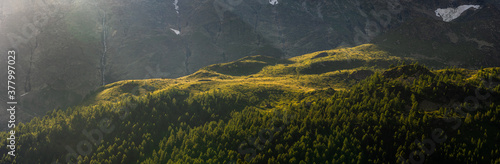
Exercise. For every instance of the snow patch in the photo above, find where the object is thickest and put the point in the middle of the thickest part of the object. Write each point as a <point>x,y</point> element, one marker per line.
<point>175,31</point>
<point>273,2</point>
<point>449,14</point>
<point>176,6</point>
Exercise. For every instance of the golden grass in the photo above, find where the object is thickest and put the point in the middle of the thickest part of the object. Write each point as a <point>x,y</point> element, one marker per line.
<point>279,75</point>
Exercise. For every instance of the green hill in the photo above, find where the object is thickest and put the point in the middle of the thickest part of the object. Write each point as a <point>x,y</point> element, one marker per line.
<point>343,105</point>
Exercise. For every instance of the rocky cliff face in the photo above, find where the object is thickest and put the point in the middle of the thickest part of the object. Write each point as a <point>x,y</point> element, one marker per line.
<point>470,40</point>
<point>68,48</point>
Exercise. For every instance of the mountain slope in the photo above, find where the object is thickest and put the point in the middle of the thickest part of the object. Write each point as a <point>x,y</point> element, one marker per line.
<point>68,48</point>
<point>291,111</point>
<point>468,41</point>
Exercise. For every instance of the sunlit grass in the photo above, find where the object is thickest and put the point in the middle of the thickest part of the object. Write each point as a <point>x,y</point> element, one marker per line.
<point>302,74</point>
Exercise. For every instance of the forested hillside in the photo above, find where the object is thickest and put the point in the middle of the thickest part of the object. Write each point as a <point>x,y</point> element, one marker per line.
<point>352,105</point>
